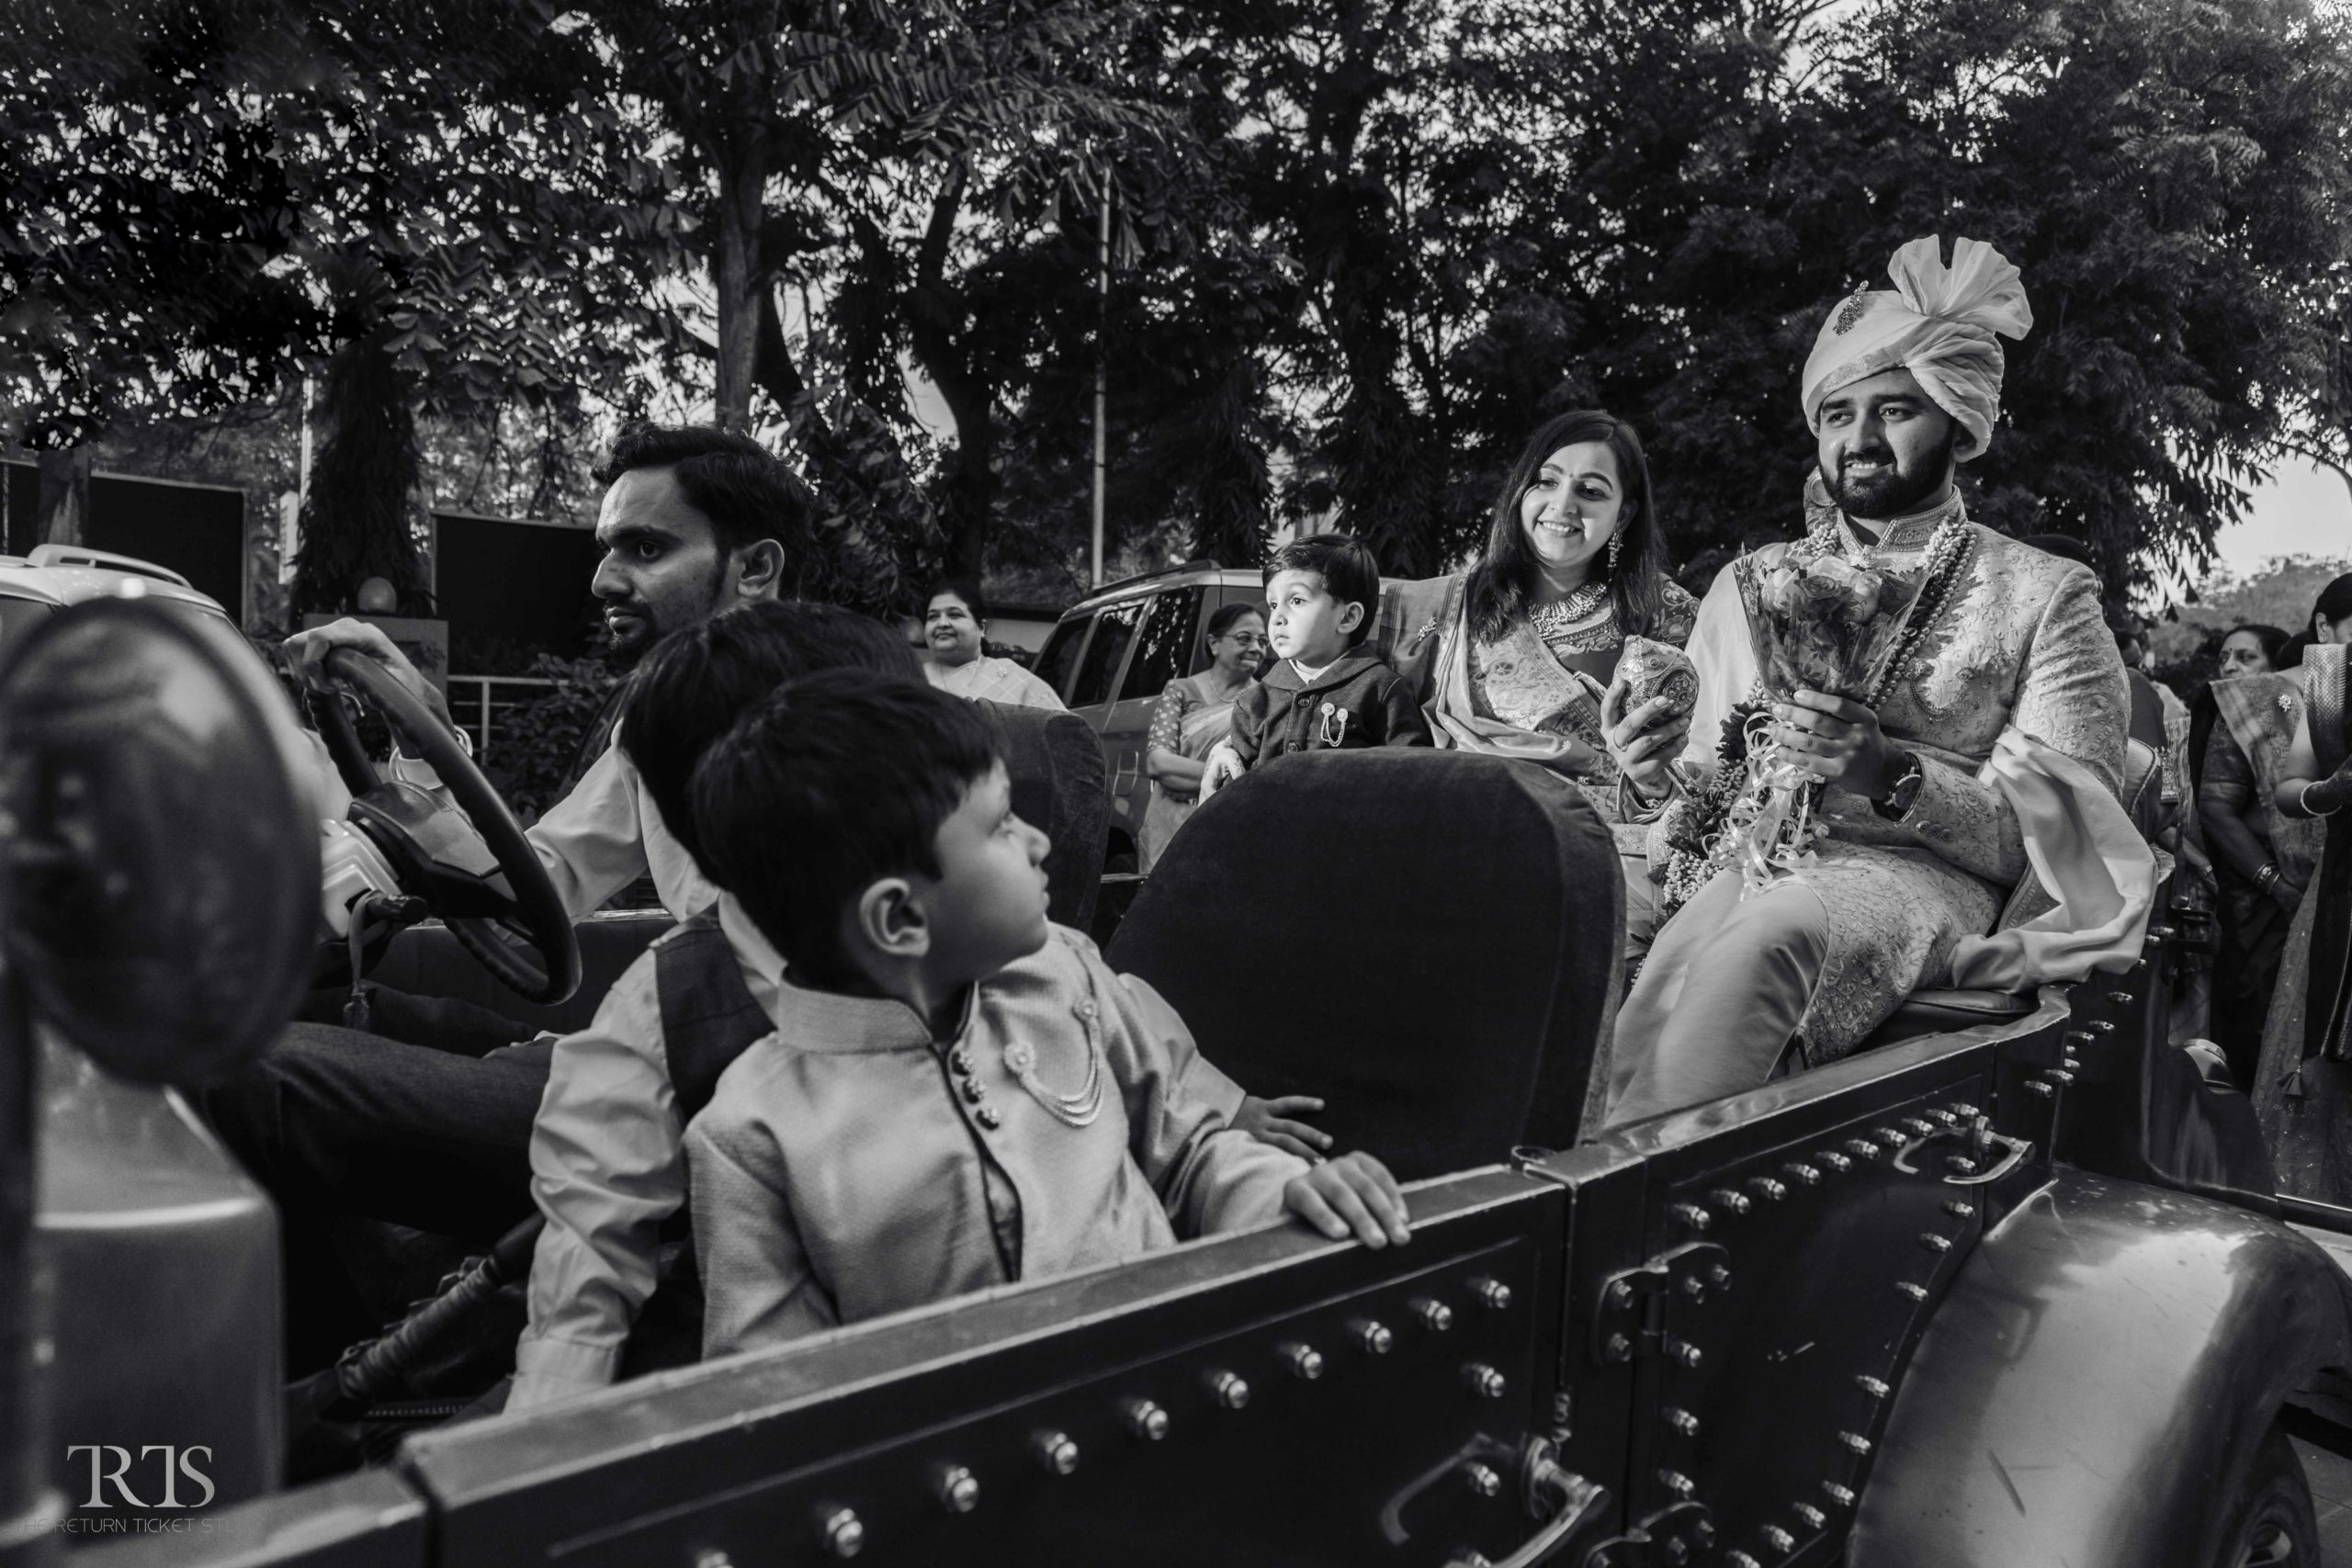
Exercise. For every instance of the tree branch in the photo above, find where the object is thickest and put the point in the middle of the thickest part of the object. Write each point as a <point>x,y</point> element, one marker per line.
<point>931,260</point>
<point>2314,455</point>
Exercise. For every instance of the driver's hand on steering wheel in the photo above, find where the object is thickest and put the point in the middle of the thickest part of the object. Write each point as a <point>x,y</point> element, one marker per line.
<point>307,653</point>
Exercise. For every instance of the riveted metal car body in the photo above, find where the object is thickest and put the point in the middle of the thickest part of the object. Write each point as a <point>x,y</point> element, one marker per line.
<point>2013,1291</point>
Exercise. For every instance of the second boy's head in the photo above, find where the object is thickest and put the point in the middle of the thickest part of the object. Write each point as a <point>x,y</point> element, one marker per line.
<point>867,827</point>
<point>1321,592</point>
<point>696,682</point>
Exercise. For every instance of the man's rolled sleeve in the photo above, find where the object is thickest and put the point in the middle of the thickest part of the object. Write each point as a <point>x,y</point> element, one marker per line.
<point>607,1169</point>
<point>591,841</point>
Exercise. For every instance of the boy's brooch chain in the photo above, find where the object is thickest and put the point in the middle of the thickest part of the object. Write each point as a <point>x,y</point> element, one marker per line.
<point>1073,1109</point>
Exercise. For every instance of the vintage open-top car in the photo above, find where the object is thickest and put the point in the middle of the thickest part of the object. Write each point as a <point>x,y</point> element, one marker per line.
<point>2009,1287</point>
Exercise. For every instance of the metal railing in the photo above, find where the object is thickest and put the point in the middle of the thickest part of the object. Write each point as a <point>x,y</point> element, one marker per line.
<point>478,701</point>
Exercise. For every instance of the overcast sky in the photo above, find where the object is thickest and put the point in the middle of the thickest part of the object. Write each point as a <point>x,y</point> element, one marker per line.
<point>2304,510</point>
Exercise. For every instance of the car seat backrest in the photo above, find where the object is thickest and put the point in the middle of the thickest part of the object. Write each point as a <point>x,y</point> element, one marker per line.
<point>1055,766</point>
<point>1426,940</point>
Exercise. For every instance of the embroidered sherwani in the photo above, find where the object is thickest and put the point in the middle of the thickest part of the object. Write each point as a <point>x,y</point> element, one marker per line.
<point>2019,647</point>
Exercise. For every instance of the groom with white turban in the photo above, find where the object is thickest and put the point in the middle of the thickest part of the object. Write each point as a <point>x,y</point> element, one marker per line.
<point>1984,775</point>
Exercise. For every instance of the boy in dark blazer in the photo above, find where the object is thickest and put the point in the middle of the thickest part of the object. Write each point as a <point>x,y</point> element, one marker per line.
<point>1330,690</point>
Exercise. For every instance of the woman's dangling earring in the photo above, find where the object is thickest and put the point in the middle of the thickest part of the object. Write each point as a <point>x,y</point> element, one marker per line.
<point>1615,541</point>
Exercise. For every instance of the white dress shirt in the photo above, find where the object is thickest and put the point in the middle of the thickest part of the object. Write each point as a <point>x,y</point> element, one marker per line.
<point>607,1169</point>
<point>595,842</point>
<point>605,834</point>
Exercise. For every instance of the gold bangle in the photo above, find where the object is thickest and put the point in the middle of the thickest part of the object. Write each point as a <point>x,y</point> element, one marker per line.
<point>2303,802</point>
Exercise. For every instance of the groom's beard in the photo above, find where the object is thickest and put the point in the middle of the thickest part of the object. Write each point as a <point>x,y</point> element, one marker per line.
<point>1896,490</point>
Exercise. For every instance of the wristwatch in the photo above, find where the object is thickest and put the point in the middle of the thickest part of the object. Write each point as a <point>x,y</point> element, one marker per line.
<point>1895,802</point>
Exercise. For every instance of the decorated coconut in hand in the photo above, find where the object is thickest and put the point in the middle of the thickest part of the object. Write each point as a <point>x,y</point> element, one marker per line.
<point>1658,669</point>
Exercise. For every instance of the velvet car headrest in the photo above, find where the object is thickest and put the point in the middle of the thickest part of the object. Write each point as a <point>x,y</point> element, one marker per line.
<point>1426,940</point>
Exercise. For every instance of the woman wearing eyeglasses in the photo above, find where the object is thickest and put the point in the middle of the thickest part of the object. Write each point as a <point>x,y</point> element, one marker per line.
<point>1193,715</point>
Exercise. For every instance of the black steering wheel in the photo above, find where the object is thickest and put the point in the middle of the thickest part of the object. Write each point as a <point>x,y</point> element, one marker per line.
<point>472,865</point>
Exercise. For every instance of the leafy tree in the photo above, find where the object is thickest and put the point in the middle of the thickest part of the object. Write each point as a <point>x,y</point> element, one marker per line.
<point>2170,251</point>
<point>2279,592</point>
<point>217,193</point>
<point>146,211</point>
<point>1324,312</point>
<point>1361,246</point>
<point>1394,155</point>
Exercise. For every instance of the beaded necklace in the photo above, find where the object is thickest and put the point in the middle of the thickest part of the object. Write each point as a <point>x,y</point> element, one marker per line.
<point>1570,611</point>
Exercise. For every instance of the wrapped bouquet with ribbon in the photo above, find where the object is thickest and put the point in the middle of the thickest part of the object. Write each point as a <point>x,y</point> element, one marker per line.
<point>1818,622</point>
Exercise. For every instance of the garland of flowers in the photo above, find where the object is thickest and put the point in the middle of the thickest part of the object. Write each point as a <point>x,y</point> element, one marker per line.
<point>1704,827</point>
<point>1693,825</point>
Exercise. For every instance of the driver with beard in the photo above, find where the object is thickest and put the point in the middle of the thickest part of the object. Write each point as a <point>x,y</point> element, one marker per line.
<point>695,520</point>
<point>336,1121</point>
<point>1997,728</point>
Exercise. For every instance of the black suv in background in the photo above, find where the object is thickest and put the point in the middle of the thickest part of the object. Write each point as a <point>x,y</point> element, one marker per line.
<point>1114,652</point>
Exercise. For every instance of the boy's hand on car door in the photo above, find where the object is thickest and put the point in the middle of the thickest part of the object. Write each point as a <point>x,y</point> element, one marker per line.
<point>1352,1195</point>
<point>1268,1121</point>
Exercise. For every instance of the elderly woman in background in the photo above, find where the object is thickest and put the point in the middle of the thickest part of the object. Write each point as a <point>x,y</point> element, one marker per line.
<point>1515,656</point>
<point>2262,860</point>
<point>955,619</point>
<point>1193,715</point>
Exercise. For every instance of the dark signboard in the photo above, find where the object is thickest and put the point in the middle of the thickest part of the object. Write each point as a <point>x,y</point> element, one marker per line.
<point>197,531</point>
<point>504,580</point>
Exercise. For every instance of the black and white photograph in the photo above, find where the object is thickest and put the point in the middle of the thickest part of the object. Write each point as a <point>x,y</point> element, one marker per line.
<point>1175,784</point>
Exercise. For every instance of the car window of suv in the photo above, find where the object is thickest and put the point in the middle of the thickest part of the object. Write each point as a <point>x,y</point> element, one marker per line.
<point>1060,656</point>
<point>1114,629</point>
<point>1164,647</point>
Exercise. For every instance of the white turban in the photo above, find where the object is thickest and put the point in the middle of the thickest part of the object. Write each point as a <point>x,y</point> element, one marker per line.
<point>1937,322</point>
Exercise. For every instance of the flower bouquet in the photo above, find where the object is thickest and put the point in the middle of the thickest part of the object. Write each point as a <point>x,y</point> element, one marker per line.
<point>1824,624</point>
<point>1817,623</point>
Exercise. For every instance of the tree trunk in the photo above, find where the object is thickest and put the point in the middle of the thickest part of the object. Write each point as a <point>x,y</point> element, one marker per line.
<point>971,492</point>
<point>64,509</point>
<point>968,498</point>
<point>743,177</point>
<point>364,488</point>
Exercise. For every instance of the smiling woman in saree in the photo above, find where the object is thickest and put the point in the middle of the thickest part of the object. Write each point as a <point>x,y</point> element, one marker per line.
<point>1514,656</point>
